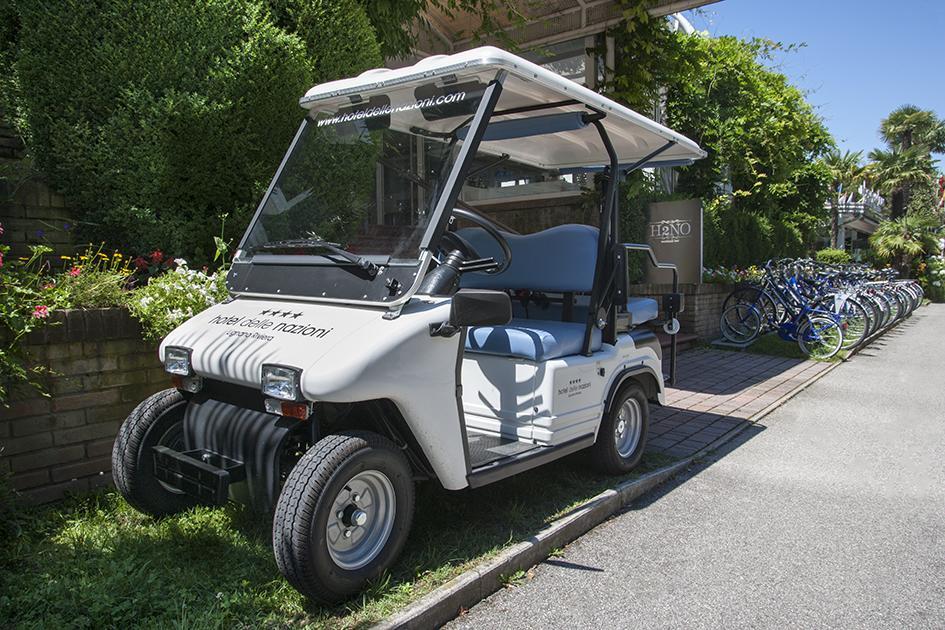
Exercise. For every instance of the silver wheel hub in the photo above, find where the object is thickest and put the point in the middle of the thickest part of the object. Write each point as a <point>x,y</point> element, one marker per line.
<point>628,427</point>
<point>361,520</point>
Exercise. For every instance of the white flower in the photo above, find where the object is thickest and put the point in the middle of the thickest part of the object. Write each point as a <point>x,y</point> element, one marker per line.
<point>937,283</point>
<point>180,262</point>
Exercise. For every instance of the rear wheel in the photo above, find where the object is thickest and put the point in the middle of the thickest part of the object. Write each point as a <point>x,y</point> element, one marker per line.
<point>740,323</point>
<point>621,438</point>
<point>343,515</point>
<point>157,421</point>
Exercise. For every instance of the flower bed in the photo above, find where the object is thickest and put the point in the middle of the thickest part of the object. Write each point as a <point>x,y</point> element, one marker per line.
<point>159,291</point>
<point>932,277</point>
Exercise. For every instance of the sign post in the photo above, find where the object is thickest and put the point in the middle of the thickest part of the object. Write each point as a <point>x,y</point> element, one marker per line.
<point>675,234</point>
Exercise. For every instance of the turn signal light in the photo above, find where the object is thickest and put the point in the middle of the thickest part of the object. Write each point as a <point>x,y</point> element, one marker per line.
<point>298,410</point>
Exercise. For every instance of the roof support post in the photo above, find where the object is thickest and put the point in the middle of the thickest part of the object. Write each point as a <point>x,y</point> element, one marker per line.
<point>454,182</point>
<point>601,291</point>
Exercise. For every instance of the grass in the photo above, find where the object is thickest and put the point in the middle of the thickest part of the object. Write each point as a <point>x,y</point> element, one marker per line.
<point>772,345</point>
<point>95,562</point>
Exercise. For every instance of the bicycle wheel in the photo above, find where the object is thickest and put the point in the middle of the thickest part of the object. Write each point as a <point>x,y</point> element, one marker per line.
<point>740,323</point>
<point>770,311</point>
<point>820,337</point>
<point>854,320</point>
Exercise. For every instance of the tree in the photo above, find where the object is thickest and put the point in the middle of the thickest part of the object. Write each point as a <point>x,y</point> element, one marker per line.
<point>846,172</point>
<point>906,167</point>
<point>903,239</point>
<point>908,126</point>
<point>763,183</point>
<point>896,172</point>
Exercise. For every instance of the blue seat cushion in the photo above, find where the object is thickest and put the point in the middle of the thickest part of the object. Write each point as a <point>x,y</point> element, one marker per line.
<point>642,310</point>
<point>532,339</point>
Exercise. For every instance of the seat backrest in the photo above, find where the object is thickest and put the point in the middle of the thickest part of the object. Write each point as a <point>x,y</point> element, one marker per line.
<point>559,259</point>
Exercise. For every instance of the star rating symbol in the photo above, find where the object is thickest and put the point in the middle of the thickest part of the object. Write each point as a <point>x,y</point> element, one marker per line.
<point>277,313</point>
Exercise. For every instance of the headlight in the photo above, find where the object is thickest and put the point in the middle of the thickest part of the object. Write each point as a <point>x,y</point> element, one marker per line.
<point>281,382</point>
<point>177,361</point>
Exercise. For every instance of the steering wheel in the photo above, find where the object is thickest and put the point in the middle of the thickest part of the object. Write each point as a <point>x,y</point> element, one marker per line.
<point>474,261</point>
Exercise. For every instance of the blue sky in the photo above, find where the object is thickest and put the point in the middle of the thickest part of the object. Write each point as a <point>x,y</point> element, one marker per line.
<point>862,58</point>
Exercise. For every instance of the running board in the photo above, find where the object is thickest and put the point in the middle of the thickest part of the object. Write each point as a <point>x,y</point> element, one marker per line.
<point>514,464</point>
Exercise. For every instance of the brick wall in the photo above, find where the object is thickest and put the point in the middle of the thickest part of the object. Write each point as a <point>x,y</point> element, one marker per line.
<point>100,369</point>
<point>703,305</point>
<point>30,212</point>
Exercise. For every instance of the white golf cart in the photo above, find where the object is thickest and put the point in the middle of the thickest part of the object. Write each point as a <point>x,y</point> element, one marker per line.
<point>384,327</point>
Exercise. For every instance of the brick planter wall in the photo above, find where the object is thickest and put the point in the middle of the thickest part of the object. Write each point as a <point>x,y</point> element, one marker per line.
<point>100,369</point>
<point>703,305</point>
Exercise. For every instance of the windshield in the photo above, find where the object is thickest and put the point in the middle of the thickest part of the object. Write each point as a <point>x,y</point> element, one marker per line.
<point>364,175</point>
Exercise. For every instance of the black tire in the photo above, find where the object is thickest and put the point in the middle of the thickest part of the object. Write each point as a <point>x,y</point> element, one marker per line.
<point>605,454</point>
<point>158,420</point>
<point>300,538</point>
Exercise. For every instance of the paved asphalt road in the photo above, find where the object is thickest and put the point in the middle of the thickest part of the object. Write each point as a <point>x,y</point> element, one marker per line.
<point>831,513</point>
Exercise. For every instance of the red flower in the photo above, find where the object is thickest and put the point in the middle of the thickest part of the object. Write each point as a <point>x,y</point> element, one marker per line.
<point>75,271</point>
<point>157,256</point>
<point>141,263</point>
<point>41,312</point>
<point>1,259</point>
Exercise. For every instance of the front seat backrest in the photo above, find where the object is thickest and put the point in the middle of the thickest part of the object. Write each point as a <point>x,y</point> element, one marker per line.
<point>559,259</point>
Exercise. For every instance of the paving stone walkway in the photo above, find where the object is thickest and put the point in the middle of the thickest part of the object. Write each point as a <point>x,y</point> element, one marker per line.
<point>718,390</point>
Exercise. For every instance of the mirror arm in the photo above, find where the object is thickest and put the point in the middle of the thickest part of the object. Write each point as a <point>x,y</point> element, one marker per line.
<point>443,329</point>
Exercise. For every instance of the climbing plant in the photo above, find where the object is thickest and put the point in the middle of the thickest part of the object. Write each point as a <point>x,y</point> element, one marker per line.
<point>762,185</point>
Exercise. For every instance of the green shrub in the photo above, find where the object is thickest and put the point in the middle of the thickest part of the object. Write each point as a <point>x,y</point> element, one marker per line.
<point>169,300</point>
<point>156,117</point>
<point>833,256</point>
<point>338,35</point>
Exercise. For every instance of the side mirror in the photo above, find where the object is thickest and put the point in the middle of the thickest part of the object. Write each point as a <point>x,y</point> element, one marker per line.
<point>480,307</point>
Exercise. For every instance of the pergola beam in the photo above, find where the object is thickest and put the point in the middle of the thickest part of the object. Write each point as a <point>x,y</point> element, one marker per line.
<point>546,23</point>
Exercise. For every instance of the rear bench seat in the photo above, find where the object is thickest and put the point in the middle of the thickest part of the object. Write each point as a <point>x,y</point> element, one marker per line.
<point>557,260</point>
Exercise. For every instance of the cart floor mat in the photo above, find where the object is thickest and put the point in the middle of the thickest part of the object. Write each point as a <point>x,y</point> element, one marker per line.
<point>488,448</point>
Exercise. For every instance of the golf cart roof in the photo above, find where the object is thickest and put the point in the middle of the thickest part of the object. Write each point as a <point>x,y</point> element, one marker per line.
<point>552,142</point>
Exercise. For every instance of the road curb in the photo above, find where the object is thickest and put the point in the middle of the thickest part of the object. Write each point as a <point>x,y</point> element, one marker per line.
<point>472,586</point>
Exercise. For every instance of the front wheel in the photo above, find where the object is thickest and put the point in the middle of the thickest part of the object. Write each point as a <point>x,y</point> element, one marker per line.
<point>621,438</point>
<point>820,337</point>
<point>157,421</point>
<point>343,515</point>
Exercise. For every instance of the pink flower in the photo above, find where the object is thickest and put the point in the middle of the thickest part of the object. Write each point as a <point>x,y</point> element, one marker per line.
<point>75,271</point>
<point>41,312</point>
<point>1,259</point>
<point>1,229</point>
<point>157,256</point>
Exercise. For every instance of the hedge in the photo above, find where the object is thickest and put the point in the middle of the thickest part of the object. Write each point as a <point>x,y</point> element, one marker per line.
<point>156,117</point>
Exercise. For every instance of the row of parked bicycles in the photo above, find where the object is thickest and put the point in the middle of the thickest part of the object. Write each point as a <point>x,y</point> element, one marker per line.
<point>824,308</point>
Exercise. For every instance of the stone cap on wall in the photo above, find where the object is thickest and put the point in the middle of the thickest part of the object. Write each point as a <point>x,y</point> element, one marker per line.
<point>687,288</point>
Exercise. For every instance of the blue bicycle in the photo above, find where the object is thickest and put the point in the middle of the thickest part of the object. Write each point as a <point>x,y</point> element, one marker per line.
<point>796,310</point>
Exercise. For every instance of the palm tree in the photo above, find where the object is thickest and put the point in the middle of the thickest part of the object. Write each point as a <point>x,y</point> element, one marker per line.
<point>895,172</point>
<point>846,171</point>
<point>909,126</point>
<point>902,239</point>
